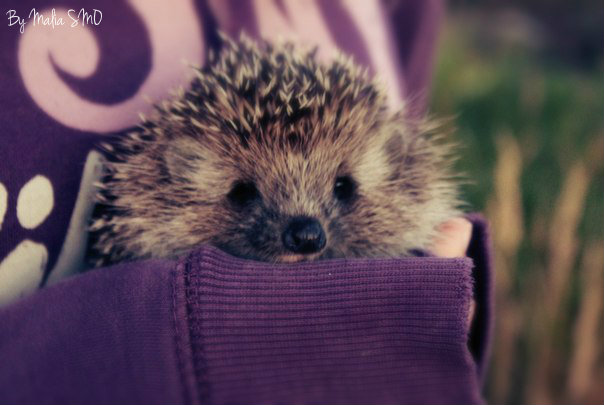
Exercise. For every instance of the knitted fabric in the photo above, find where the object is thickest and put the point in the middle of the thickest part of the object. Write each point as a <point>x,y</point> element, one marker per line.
<point>214,329</point>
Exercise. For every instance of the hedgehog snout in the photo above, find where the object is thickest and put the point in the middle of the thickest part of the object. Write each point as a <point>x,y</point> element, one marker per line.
<point>304,235</point>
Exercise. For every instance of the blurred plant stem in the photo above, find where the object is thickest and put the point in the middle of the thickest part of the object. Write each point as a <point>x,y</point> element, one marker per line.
<point>505,211</point>
<point>587,333</point>
<point>562,248</point>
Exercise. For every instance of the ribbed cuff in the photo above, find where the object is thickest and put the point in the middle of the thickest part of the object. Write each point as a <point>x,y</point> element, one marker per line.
<point>332,332</point>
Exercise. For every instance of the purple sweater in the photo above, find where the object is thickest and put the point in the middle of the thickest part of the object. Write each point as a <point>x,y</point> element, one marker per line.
<point>210,329</point>
<point>214,329</point>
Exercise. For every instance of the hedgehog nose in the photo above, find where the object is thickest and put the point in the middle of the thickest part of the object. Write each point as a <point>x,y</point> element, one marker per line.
<point>304,235</point>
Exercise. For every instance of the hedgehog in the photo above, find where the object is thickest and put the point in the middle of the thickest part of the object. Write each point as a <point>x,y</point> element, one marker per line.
<point>272,155</point>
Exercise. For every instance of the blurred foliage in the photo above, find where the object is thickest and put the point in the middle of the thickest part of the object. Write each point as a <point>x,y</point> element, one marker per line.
<point>531,125</point>
<point>574,29</point>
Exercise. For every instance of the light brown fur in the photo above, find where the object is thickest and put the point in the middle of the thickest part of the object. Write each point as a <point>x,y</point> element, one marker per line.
<point>273,116</point>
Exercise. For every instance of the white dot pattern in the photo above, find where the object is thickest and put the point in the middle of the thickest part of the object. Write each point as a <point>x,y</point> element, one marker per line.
<point>22,270</point>
<point>35,202</point>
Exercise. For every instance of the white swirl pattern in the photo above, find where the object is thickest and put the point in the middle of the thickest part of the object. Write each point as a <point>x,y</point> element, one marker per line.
<point>76,51</point>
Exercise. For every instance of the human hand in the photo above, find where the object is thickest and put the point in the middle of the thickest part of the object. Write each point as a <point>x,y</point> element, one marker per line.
<point>453,241</point>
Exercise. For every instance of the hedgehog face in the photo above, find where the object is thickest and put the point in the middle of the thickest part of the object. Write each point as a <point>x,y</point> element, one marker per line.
<point>280,198</point>
<point>271,156</point>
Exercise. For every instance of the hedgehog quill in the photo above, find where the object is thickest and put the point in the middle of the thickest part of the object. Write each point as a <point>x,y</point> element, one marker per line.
<point>273,156</point>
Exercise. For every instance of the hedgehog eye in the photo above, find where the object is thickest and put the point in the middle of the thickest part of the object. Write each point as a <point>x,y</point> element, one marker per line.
<point>344,188</point>
<point>243,193</point>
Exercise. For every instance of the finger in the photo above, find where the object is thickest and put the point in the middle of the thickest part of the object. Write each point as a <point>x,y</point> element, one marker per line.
<point>453,238</point>
<point>453,241</point>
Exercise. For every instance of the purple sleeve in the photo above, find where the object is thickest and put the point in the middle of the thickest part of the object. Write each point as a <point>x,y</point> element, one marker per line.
<point>214,329</point>
<point>102,337</point>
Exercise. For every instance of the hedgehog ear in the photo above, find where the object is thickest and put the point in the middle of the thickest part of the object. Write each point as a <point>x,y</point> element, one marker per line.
<point>182,157</point>
<point>405,154</point>
<point>396,150</point>
<point>402,152</point>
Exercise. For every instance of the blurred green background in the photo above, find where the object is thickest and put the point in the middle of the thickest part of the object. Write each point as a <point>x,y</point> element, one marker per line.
<point>524,82</point>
